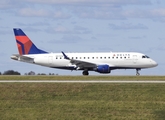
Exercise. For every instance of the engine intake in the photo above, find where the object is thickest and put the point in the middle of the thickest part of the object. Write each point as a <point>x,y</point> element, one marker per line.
<point>103,69</point>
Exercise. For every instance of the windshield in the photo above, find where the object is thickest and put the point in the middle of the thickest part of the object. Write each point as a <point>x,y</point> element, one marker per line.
<point>145,56</point>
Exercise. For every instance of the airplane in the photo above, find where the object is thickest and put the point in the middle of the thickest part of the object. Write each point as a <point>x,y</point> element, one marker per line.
<point>102,62</point>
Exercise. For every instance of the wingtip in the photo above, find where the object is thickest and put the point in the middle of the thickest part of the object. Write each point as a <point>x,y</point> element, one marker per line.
<point>65,56</point>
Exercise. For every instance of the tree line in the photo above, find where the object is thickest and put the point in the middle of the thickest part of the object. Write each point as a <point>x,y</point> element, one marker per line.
<point>12,72</point>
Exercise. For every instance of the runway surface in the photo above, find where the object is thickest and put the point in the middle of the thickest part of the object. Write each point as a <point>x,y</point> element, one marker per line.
<point>75,81</point>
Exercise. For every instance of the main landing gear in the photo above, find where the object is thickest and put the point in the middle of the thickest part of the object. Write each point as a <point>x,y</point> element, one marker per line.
<point>137,72</point>
<point>85,72</point>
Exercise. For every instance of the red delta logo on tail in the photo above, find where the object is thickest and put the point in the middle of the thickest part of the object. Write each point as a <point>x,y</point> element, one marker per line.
<point>24,44</point>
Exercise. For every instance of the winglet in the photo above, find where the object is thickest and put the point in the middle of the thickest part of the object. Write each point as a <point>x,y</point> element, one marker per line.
<point>65,56</point>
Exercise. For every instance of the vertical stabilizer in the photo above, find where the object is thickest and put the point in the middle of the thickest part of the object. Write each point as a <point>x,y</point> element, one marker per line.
<point>24,44</point>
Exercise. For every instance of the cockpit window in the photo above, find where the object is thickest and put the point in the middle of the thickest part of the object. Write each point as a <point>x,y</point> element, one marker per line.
<point>145,56</point>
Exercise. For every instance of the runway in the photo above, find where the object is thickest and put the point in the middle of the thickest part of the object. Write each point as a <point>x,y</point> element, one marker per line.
<point>75,81</point>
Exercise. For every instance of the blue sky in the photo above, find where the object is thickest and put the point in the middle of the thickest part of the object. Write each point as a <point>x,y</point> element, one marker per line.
<point>84,26</point>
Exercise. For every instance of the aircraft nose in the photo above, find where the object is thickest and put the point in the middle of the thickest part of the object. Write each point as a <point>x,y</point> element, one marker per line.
<point>154,63</point>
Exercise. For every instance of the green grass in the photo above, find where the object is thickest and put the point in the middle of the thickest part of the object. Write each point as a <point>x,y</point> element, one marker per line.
<point>44,77</point>
<point>71,101</point>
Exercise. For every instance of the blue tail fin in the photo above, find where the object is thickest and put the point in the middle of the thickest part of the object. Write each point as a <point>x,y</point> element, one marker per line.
<point>24,44</point>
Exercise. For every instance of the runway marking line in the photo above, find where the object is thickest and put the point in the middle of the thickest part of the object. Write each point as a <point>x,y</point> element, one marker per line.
<point>74,81</point>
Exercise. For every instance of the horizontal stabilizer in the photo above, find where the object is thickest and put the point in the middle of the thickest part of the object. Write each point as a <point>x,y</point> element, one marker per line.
<point>22,58</point>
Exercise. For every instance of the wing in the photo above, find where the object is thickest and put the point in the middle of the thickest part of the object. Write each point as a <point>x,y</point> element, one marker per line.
<point>80,64</point>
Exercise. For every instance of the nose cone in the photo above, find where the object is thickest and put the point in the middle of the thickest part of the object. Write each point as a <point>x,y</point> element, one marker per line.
<point>154,64</point>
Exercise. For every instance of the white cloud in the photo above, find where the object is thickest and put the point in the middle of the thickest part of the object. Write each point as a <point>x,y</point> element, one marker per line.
<point>44,12</point>
<point>94,2</point>
<point>158,12</point>
<point>58,30</point>
<point>144,13</point>
<point>33,24</point>
<point>61,15</point>
<point>29,12</point>
<point>81,30</point>
<point>64,30</point>
<point>93,9</point>
<point>127,26</point>
<point>71,39</point>
<point>113,12</point>
<point>5,4</point>
<point>67,39</point>
<point>61,29</point>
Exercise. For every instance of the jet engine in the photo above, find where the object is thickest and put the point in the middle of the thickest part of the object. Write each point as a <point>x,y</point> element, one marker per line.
<point>103,69</point>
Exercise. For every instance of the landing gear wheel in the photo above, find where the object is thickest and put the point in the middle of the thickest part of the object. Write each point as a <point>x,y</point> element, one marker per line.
<point>137,72</point>
<point>85,72</point>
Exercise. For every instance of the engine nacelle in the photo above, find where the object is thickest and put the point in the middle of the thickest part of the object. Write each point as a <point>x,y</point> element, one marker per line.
<point>103,69</point>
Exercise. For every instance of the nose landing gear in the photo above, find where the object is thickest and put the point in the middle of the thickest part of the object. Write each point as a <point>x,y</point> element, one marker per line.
<point>137,72</point>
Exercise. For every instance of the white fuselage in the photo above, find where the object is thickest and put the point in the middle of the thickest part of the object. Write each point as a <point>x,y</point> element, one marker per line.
<point>99,62</point>
<point>116,60</point>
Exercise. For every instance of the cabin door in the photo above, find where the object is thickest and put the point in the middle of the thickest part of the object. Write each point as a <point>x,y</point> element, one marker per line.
<point>134,59</point>
<point>50,59</point>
